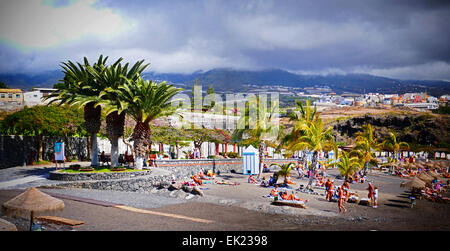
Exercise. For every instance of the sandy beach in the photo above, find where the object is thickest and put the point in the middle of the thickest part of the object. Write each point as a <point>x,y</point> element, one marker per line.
<point>245,207</point>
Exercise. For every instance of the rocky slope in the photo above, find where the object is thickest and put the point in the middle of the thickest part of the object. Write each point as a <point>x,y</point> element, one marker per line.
<point>415,129</point>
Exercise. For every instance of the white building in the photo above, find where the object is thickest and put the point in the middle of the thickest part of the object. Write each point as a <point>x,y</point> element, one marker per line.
<point>34,97</point>
<point>423,106</point>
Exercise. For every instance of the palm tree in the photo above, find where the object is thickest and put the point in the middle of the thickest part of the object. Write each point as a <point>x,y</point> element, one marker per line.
<point>285,170</point>
<point>348,165</point>
<point>313,138</point>
<point>391,144</point>
<point>256,125</point>
<point>144,101</point>
<point>80,88</point>
<point>111,78</point>
<point>365,147</point>
<point>306,113</point>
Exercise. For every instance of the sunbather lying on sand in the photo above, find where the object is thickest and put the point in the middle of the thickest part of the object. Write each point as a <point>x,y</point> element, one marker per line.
<point>291,196</point>
<point>289,180</point>
<point>252,180</point>
<point>196,179</point>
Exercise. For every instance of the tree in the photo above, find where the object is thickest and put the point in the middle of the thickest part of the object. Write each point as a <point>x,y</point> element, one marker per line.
<point>285,170</point>
<point>202,135</point>
<point>315,138</point>
<point>3,85</point>
<point>365,146</point>
<point>110,78</point>
<point>40,121</point>
<point>144,101</point>
<point>80,88</point>
<point>348,165</point>
<point>391,144</point>
<point>210,91</point>
<point>305,114</point>
<point>256,125</point>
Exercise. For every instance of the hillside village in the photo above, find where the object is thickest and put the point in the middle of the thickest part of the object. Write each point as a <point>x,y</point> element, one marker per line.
<point>322,97</point>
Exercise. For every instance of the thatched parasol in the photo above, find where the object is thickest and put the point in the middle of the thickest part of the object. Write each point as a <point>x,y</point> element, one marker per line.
<point>32,202</point>
<point>413,183</point>
<point>429,164</point>
<point>433,174</point>
<point>425,177</point>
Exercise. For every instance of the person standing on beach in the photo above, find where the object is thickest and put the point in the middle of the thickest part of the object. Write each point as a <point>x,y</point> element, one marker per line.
<point>370,188</point>
<point>330,191</point>
<point>341,200</point>
<point>327,188</point>
<point>375,197</point>
<point>346,188</point>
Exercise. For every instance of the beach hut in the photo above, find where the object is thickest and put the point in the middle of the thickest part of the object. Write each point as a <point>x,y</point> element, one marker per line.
<point>30,203</point>
<point>250,161</point>
<point>413,183</point>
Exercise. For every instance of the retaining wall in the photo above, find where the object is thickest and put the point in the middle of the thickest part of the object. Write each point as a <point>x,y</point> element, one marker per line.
<point>160,175</point>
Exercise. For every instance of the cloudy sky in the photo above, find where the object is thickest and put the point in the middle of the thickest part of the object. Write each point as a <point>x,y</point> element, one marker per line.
<point>400,39</point>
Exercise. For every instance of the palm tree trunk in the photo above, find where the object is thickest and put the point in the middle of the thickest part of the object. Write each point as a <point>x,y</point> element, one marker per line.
<point>94,150</point>
<point>40,148</point>
<point>366,166</point>
<point>92,121</point>
<point>262,148</point>
<point>114,127</point>
<point>313,166</point>
<point>141,138</point>
<point>114,152</point>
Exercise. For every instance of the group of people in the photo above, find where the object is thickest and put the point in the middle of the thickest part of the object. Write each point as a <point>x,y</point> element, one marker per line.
<point>202,177</point>
<point>195,154</point>
<point>283,195</point>
<point>357,177</point>
<point>342,193</point>
<point>264,182</point>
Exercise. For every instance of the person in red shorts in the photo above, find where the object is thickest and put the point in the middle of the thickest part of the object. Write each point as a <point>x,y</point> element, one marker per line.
<point>370,188</point>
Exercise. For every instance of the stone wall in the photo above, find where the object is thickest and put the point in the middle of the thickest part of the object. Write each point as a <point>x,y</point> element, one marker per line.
<point>141,183</point>
<point>57,175</point>
<point>186,168</point>
<point>19,150</point>
<point>161,174</point>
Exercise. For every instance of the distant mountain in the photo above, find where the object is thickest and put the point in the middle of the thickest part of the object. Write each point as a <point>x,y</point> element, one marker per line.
<point>27,81</point>
<point>230,80</point>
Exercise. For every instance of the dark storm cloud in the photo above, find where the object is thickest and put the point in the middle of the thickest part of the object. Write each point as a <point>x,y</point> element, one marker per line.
<point>403,39</point>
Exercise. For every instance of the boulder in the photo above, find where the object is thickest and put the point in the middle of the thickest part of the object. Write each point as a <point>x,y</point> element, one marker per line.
<point>175,186</point>
<point>197,191</point>
<point>187,189</point>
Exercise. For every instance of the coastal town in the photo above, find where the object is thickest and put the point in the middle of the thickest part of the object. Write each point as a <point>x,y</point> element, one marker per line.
<point>323,97</point>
